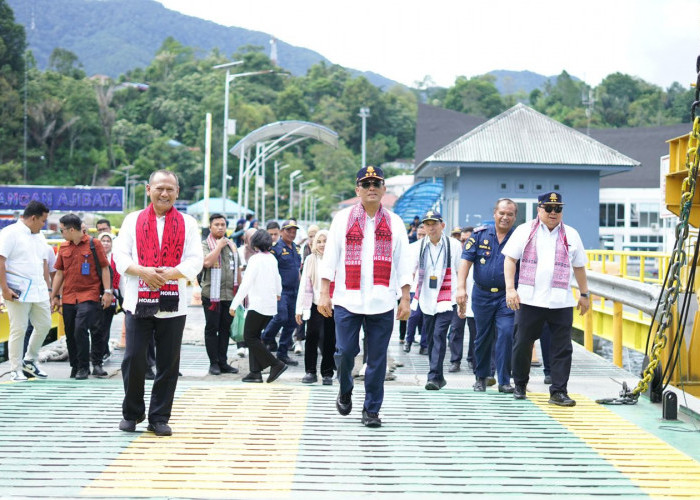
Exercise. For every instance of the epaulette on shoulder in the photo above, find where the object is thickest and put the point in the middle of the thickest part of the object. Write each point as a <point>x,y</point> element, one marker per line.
<point>480,228</point>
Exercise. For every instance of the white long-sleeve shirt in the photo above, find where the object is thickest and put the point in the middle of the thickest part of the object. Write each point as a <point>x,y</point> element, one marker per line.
<point>25,253</point>
<point>261,283</point>
<point>125,254</point>
<point>369,299</point>
<point>435,256</point>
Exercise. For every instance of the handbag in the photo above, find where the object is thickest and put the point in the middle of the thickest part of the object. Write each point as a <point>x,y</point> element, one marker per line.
<point>237,325</point>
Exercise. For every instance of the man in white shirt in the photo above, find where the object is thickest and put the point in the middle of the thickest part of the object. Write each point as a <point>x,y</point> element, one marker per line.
<point>366,255</point>
<point>157,252</point>
<point>24,279</point>
<point>437,263</point>
<point>551,256</point>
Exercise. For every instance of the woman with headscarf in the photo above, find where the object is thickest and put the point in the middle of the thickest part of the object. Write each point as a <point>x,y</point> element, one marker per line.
<point>318,328</point>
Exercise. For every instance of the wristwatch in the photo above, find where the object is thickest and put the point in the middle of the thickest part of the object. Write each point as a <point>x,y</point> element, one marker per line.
<point>109,290</point>
<point>584,294</point>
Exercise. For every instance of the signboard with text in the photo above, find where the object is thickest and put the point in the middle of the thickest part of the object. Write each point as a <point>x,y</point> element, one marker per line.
<point>64,199</point>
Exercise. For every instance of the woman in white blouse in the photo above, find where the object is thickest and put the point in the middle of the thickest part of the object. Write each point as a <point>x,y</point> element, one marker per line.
<point>262,285</point>
<point>317,326</point>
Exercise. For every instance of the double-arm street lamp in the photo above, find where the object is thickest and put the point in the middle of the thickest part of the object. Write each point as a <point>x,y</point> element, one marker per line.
<point>227,126</point>
<point>125,172</point>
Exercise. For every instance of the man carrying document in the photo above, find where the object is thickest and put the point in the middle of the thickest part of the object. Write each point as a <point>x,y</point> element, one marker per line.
<point>23,268</point>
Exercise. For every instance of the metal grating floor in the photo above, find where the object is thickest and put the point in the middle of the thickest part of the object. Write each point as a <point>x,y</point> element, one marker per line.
<point>231,440</point>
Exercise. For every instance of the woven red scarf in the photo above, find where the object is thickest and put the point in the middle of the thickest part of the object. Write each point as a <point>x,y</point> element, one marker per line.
<point>152,254</point>
<point>354,237</point>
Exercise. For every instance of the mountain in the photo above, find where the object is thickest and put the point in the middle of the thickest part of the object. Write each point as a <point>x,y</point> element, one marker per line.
<point>510,82</point>
<point>111,37</point>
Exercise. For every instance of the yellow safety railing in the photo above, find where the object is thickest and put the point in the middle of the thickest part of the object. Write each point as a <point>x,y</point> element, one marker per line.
<point>646,267</point>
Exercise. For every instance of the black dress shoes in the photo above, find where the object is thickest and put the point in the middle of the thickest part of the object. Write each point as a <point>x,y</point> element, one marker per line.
<point>432,385</point>
<point>371,419</point>
<point>276,371</point>
<point>423,351</point>
<point>253,377</point>
<point>507,388</point>
<point>98,371</point>
<point>407,347</point>
<point>226,368</point>
<point>479,385</point>
<point>130,425</point>
<point>343,403</point>
<point>548,379</point>
<point>519,392</point>
<point>454,367</point>
<point>160,429</point>
<point>561,399</point>
<point>328,380</point>
<point>214,369</point>
<point>288,361</point>
<point>82,374</point>
<point>309,378</point>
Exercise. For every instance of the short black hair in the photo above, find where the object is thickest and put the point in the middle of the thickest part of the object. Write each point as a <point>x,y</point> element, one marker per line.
<point>261,240</point>
<point>71,220</point>
<point>103,221</point>
<point>35,208</point>
<point>273,224</point>
<point>213,217</point>
<point>468,229</point>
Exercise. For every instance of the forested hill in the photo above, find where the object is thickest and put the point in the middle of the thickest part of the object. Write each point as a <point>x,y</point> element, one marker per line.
<point>111,37</point>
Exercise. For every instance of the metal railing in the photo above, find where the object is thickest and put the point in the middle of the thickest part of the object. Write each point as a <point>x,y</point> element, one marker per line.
<point>645,267</point>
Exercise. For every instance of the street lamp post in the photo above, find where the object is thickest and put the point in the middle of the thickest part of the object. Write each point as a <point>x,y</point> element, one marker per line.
<point>313,211</point>
<point>307,217</point>
<point>125,172</point>
<point>278,169</point>
<point>292,176</point>
<point>224,179</point>
<point>301,196</point>
<point>364,114</point>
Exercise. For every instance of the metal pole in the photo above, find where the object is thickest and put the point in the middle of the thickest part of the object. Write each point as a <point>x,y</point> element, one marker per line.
<point>255,182</point>
<point>262,190</point>
<point>241,165</point>
<point>246,187</point>
<point>364,114</point>
<point>207,170</point>
<point>145,196</point>
<point>276,194</point>
<point>224,178</point>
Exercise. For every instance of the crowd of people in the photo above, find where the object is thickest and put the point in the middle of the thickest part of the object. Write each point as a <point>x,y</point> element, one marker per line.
<point>507,285</point>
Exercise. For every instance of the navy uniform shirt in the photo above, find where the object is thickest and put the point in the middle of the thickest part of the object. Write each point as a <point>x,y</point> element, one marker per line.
<point>289,263</point>
<point>483,250</point>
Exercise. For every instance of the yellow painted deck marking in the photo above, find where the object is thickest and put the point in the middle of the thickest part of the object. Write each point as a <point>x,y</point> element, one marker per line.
<point>215,450</point>
<point>646,460</point>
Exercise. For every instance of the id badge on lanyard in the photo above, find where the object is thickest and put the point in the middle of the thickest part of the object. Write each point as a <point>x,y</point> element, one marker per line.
<point>85,267</point>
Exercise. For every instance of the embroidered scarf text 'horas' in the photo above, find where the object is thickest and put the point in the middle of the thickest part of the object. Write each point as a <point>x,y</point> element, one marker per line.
<point>151,253</point>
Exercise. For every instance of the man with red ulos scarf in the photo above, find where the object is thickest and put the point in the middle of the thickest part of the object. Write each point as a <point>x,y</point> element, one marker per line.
<point>158,250</point>
<point>366,255</point>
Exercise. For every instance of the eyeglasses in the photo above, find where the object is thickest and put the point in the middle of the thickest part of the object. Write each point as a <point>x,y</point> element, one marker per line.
<point>556,208</point>
<point>367,184</point>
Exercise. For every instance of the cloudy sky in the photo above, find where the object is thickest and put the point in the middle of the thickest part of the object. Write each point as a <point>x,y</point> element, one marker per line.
<point>656,40</point>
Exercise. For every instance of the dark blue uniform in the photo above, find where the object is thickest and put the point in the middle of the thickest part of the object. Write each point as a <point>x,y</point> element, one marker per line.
<point>289,263</point>
<point>489,303</point>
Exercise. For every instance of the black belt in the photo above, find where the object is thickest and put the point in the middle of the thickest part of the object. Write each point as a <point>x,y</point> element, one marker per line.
<point>487,289</point>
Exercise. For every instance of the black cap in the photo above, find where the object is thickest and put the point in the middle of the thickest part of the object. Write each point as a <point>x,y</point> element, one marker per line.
<point>432,215</point>
<point>289,224</point>
<point>370,172</point>
<point>550,198</point>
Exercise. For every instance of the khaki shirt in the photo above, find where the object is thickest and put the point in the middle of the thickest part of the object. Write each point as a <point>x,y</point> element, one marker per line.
<point>229,266</point>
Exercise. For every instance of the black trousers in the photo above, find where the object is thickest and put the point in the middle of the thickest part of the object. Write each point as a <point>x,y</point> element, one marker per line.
<point>107,317</point>
<point>217,331</point>
<point>82,321</point>
<point>167,335</point>
<point>320,328</point>
<point>259,356</point>
<point>529,321</point>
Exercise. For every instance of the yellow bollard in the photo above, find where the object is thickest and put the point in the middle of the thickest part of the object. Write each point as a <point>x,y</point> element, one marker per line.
<point>617,333</point>
<point>588,330</point>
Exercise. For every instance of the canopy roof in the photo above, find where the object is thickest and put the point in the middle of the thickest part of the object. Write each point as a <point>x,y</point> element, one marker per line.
<point>287,131</point>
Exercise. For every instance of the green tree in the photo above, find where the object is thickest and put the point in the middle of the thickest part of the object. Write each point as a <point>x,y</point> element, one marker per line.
<point>475,96</point>
<point>65,62</point>
<point>12,65</point>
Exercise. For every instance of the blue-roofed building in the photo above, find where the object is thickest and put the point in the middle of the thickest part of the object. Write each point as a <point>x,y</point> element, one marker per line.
<point>423,196</point>
<point>520,154</point>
